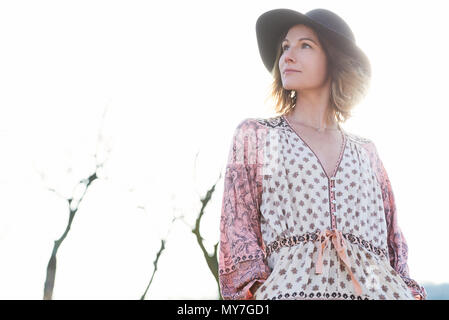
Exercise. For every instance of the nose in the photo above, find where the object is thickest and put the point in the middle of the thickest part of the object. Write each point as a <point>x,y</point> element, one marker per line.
<point>288,57</point>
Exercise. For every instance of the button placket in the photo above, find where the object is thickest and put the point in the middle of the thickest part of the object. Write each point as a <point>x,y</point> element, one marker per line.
<point>333,202</point>
<point>334,223</point>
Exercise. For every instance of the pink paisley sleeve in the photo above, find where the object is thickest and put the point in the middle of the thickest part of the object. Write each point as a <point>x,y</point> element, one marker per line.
<point>242,263</point>
<point>397,245</point>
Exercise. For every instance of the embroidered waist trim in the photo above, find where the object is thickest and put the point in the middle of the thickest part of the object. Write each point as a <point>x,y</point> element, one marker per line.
<point>314,236</point>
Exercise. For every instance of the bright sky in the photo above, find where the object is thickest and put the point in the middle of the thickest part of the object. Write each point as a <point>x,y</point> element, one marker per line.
<point>176,78</point>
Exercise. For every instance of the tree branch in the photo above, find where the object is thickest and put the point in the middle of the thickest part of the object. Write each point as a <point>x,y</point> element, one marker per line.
<point>73,209</point>
<point>211,259</point>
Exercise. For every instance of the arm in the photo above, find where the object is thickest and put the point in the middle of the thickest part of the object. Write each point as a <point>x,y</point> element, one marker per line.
<point>242,264</point>
<point>397,245</point>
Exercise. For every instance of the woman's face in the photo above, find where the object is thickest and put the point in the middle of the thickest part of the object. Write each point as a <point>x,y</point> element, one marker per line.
<point>302,52</point>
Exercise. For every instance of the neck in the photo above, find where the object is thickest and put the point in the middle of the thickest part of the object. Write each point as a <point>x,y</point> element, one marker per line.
<point>313,109</point>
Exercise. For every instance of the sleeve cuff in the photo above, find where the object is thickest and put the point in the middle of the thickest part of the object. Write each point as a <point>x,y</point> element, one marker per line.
<point>419,292</point>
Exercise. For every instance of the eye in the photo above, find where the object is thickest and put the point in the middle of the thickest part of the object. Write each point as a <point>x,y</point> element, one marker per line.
<point>304,44</point>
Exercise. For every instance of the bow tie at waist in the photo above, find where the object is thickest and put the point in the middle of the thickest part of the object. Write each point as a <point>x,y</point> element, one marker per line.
<point>340,245</point>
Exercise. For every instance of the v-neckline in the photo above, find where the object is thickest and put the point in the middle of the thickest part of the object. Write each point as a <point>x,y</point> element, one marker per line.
<point>343,147</point>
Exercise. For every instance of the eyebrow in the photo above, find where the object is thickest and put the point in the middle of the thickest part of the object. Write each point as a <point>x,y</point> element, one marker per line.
<point>300,40</point>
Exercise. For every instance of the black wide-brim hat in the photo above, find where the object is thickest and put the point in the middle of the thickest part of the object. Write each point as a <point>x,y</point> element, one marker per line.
<point>271,25</point>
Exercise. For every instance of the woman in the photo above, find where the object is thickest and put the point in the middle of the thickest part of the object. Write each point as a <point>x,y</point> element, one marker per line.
<point>308,209</point>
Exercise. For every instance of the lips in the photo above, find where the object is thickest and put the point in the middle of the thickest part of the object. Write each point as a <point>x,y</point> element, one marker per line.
<point>291,70</point>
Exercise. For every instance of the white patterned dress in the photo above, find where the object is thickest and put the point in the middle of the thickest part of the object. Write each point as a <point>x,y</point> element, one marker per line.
<point>289,231</point>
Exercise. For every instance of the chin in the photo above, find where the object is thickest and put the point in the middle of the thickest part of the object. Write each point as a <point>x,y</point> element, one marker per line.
<point>290,87</point>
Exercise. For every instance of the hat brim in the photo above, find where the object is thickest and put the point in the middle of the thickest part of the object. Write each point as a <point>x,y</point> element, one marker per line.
<point>272,24</point>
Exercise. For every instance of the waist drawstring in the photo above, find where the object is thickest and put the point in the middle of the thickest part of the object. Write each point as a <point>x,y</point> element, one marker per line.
<point>340,245</point>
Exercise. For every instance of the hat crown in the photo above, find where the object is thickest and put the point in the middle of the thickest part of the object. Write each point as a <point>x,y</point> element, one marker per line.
<point>331,21</point>
<point>273,24</point>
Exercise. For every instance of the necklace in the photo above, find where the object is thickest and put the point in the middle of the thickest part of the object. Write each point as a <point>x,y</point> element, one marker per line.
<point>317,129</point>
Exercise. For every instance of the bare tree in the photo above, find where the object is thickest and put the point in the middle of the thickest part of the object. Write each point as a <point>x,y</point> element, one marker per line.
<point>73,205</point>
<point>161,249</point>
<point>211,259</point>
<point>155,268</point>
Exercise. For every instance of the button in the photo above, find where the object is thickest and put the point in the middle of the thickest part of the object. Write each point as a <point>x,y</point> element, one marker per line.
<point>332,178</point>
<point>334,201</point>
<point>332,189</point>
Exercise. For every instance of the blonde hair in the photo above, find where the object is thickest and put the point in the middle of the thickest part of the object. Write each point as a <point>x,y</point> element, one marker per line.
<point>350,80</point>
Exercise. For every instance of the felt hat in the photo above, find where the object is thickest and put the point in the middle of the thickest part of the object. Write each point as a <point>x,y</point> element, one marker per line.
<point>271,25</point>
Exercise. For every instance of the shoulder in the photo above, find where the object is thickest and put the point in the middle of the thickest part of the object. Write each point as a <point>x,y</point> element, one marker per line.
<point>245,128</point>
<point>358,139</point>
<point>258,127</point>
<point>372,155</point>
<point>364,143</point>
<point>247,142</point>
<point>247,123</point>
<point>270,122</point>
<point>263,125</point>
